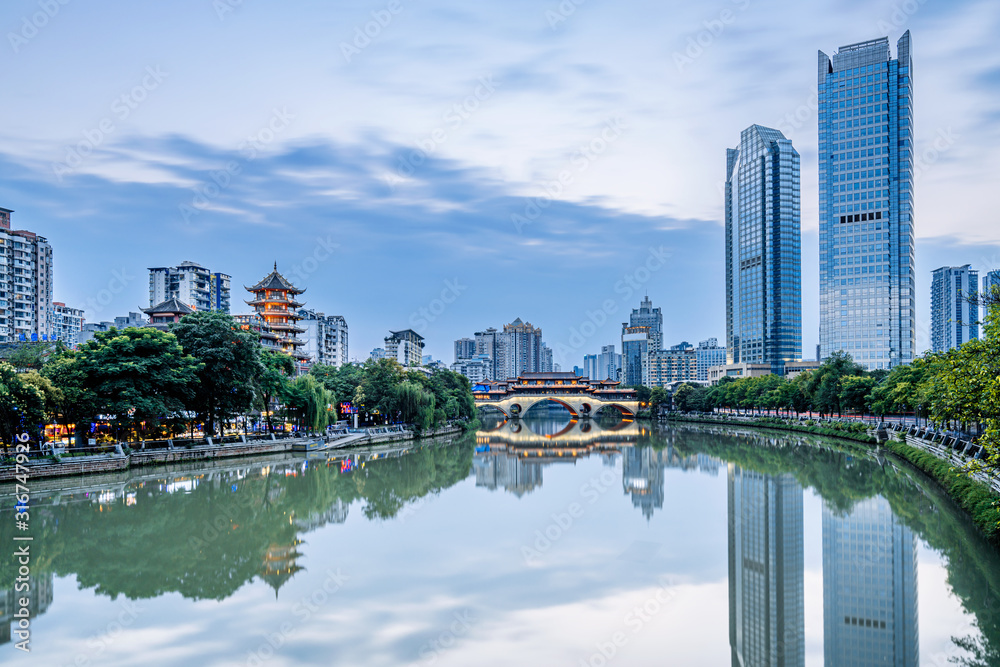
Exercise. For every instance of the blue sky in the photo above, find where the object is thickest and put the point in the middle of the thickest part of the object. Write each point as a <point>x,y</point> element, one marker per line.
<point>459,165</point>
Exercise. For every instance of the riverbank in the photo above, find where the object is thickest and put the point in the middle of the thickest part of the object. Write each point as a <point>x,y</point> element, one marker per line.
<point>97,464</point>
<point>980,502</point>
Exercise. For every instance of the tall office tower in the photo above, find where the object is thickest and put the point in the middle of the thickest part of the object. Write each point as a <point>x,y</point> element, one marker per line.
<point>954,318</point>
<point>591,364</point>
<point>709,354</point>
<point>866,238</point>
<point>520,349</point>
<point>325,338</point>
<point>647,316</point>
<point>25,284</point>
<point>465,348</point>
<point>763,251</point>
<point>869,587</point>
<point>991,288</point>
<point>636,343</point>
<point>189,283</point>
<point>766,570</point>
<point>609,363</point>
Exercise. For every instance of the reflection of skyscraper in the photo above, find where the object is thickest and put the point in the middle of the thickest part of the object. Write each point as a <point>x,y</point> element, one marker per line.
<point>869,588</point>
<point>39,595</point>
<point>495,470</point>
<point>642,477</point>
<point>766,594</point>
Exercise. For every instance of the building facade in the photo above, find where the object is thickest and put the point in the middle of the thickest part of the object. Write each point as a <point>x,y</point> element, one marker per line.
<point>275,305</point>
<point>954,311</point>
<point>67,323</point>
<point>545,359</point>
<point>519,349</point>
<point>192,284</point>
<point>635,355</point>
<point>609,363</point>
<point>406,347</point>
<point>465,348</point>
<point>991,288</point>
<point>25,284</point>
<point>678,364</point>
<point>325,338</point>
<point>709,354</point>
<point>869,587</point>
<point>763,250</point>
<point>477,369</point>
<point>647,316</point>
<point>487,344</point>
<point>766,570</point>
<point>866,225</point>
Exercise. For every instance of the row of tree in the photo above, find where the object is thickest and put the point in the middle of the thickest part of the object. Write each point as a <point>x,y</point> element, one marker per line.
<point>207,369</point>
<point>959,387</point>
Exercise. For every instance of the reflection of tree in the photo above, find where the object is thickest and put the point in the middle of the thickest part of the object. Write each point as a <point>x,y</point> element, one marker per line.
<point>210,539</point>
<point>842,478</point>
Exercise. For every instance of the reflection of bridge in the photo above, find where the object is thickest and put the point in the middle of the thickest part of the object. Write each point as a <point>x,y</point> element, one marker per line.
<point>581,396</point>
<point>575,434</point>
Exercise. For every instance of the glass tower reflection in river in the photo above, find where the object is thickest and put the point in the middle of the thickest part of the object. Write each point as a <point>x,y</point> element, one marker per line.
<point>869,588</point>
<point>766,593</point>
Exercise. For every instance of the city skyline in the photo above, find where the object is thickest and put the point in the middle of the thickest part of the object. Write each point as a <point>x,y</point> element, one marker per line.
<point>445,224</point>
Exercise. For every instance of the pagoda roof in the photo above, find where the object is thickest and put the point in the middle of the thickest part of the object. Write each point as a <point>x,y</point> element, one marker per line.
<point>548,376</point>
<point>275,281</point>
<point>172,306</point>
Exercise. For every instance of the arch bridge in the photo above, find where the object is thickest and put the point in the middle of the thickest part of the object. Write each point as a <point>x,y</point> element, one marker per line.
<point>582,397</point>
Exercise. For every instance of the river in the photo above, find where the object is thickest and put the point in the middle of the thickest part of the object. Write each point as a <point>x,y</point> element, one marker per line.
<point>539,542</point>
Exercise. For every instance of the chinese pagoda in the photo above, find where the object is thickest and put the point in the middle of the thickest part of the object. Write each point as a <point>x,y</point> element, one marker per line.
<point>275,304</point>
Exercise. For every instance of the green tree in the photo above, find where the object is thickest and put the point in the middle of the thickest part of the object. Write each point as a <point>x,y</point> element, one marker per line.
<point>308,402</point>
<point>230,361</point>
<point>272,383</point>
<point>855,391</point>
<point>137,376</point>
<point>77,405</point>
<point>377,390</point>
<point>22,406</point>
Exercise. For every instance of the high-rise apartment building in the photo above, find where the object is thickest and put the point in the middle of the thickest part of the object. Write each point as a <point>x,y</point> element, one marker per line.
<point>465,348</point>
<point>486,344</point>
<point>869,587</point>
<point>609,363</point>
<point>647,316</point>
<point>636,344</point>
<point>763,250</point>
<point>25,284</point>
<point>325,338</point>
<point>954,311</point>
<point>519,350</point>
<point>866,234</point>
<point>189,283</point>
<point>406,347</point>
<point>766,570</point>
<point>545,364</point>
<point>67,323</point>
<point>991,287</point>
<point>678,364</point>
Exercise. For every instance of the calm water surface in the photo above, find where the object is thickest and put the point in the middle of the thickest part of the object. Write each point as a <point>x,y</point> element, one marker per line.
<point>541,542</point>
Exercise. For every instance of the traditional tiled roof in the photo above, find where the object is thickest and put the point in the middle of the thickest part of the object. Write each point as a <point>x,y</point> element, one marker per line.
<point>275,281</point>
<point>171,306</point>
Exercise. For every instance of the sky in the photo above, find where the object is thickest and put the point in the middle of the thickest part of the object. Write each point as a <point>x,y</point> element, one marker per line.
<point>448,167</point>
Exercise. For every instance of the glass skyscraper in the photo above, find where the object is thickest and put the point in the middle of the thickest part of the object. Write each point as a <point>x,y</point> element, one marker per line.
<point>869,588</point>
<point>991,282</point>
<point>954,318</point>
<point>647,316</point>
<point>766,570</point>
<point>763,250</point>
<point>866,254</point>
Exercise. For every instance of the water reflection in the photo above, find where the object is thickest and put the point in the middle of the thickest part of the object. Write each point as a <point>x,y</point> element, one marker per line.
<point>207,530</point>
<point>766,592</point>
<point>869,587</point>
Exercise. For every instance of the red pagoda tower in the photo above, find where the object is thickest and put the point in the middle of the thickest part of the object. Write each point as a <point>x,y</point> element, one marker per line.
<point>275,304</point>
